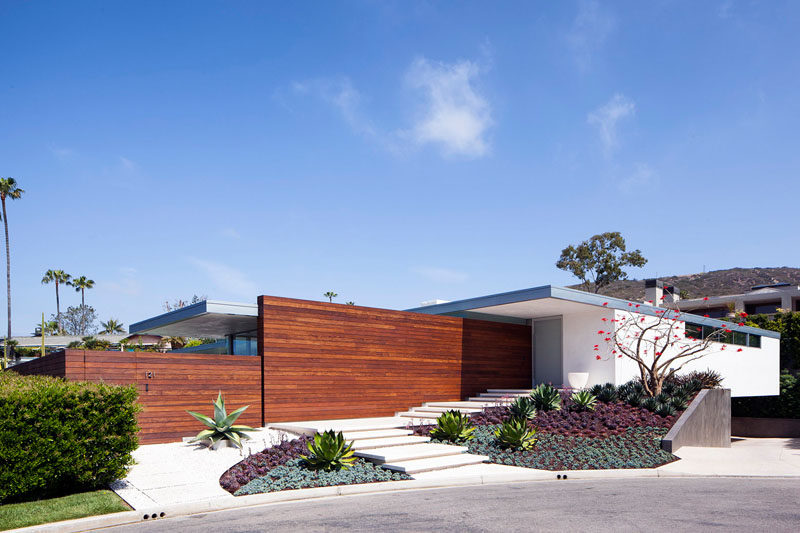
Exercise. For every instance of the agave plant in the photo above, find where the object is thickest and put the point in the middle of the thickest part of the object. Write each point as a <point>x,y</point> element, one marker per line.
<point>522,408</point>
<point>221,426</point>
<point>607,393</point>
<point>515,433</point>
<point>679,402</point>
<point>664,409</point>
<point>329,452</point>
<point>650,403</point>
<point>583,400</point>
<point>453,426</point>
<point>546,398</point>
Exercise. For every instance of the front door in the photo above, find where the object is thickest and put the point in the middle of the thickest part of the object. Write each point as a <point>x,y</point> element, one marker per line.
<point>547,355</point>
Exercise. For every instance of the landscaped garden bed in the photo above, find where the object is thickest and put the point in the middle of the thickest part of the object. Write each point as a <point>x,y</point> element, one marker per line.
<point>282,467</point>
<point>607,427</point>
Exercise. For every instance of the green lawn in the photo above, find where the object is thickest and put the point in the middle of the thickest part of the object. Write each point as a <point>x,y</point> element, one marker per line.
<point>15,515</point>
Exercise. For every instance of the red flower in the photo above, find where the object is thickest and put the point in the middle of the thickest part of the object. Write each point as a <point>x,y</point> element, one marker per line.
<point>605,303</point>
<point>607,339</point>
<point>600,332</point>
<point>705,316</point>
<point>629,304</point>
<point>743,314</point>
<point>740,324</point>
<point>596,345</point>
<point>597,357</point>
<point>739,350</point>
<point>706,298</point>
<point>637,305</point>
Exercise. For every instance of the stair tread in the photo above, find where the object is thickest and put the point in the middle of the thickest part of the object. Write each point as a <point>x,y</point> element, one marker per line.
<point>438,409</point>
<point>527,391</point>
<point>376,434</point>
<point>367,444</point>
<point>464,404</point>
<point>410,452</point>
<point>415,466</point>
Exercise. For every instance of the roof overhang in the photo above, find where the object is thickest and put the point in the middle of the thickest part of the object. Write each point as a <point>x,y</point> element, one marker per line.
<point>548,301</point>
<point>209,318</point>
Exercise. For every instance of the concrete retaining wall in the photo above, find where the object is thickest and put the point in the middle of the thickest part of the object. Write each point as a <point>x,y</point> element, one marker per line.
<point>706,422</point>
<point>765,427</point>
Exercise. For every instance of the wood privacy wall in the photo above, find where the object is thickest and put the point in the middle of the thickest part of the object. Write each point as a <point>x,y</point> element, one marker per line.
<point>323,360</point>
<point>176,383</point>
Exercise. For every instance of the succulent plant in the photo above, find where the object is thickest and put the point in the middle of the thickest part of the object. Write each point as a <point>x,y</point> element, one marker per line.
<point>221,426</point>
<point>679,402</point>
<point>453,426</point>
<point>583,400</point>
<point>546,398</point>
<point>522,408</point>
<point>664,409</point>
<point>515,434</point>
<point>606,393</point>
<point>329,452</point>
<point>651,404</point>
<point>633,398</point>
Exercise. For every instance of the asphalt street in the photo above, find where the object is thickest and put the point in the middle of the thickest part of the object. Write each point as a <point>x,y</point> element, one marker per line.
<point>653,504</point>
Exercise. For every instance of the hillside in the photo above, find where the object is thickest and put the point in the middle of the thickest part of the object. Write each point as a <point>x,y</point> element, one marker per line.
<point>714,283</point>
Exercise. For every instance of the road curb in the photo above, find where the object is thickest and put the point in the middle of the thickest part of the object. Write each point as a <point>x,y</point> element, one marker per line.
<point>224,503</point>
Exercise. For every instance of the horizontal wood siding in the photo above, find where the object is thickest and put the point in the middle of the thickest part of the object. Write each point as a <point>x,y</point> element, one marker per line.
<point>495,356</point>
<point>324,360</point>
<point>180,382</point>
<point>53,364</point>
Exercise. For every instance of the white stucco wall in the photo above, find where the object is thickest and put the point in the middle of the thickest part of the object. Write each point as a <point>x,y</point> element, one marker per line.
<point>749,372</point>
<point>580,335</point>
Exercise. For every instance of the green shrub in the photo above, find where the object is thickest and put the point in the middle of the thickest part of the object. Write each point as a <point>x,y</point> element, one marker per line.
<point>787,405</point>
<point>453,426</point>
<point>58,437</point>
<point>329,452</point>
<point>522,408</point>
<point>515,434</point>
<point>605,393</point>
<point>546,398</point>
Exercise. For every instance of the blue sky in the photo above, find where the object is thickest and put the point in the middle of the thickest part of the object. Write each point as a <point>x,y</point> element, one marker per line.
<point>391,151</point>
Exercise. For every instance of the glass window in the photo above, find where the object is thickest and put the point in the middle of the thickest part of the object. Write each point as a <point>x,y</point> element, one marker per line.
<point>755,341</point>
<point>764,308</point>
<point>740,338</point>
<point>694,331</point>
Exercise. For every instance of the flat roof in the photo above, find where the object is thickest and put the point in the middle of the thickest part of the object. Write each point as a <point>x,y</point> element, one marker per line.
<point>209,318</point>
<point>549,300</point>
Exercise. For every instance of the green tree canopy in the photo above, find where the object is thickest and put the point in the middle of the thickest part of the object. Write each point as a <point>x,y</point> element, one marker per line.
<point>600,260</point>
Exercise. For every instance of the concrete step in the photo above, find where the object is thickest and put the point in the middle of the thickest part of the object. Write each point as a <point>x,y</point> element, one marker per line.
<point>376,434</point>
<point>461,405</point>
<point>509,391</point>
<point>440,410</point>
<point>411,452</point>
<point>416,466</point>
<point>500,395</point>
<point>426,418</point>
<point>387,442</point>
<point>489,401</point>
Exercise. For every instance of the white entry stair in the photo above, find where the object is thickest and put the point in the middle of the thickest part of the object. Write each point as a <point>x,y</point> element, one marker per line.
<point>388,441</point>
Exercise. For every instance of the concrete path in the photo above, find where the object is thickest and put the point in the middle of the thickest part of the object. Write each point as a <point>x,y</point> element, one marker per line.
<point>679,504</point>
<point>745,457</point>
<point>173,473</point>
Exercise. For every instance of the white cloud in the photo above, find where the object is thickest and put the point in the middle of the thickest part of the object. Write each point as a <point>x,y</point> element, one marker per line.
<point>605,119</point>
<point>454,115</point>
<point>227,279</point>
<point>343,96</point>
<point>441,275</point>
<point>642,177</point>
<point>589,30</point>
<point>230,233</point>
<point>127,284</point>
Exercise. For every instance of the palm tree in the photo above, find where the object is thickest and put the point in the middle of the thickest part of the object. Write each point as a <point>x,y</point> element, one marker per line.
<point>330,295</point>
<point>57,276</point>
<point>112,326</point>
<point>8,189</point>
<point>81,284</point>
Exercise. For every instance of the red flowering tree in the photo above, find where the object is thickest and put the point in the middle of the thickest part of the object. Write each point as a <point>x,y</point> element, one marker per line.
<point>659,343</point>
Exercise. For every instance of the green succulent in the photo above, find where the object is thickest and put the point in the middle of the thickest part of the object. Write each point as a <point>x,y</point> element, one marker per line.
<point>522,408</point>
<point>584,400</point>
<point>221,426</point>
<point>607,393</point>
<point>546,398</point>
<point>329,452</point>
<point>679,402</point>
<point>650,403</point>
<point>515,434</point>
<point>633,398</point>
<point>664,409</point>
<point>453,426</point>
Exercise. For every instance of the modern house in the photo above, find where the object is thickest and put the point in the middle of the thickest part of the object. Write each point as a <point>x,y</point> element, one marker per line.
<point>295,359</point>
<point>761,300</point>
